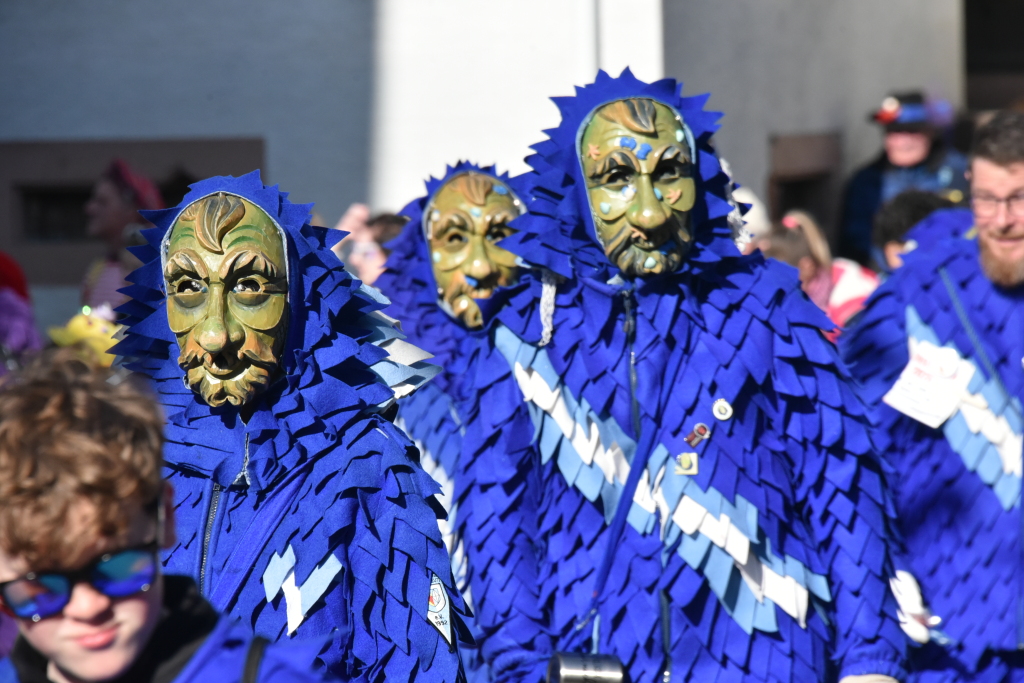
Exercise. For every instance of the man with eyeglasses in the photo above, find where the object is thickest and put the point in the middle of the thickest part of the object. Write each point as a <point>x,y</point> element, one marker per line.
<point>83,514</point>
<point>939,352</point>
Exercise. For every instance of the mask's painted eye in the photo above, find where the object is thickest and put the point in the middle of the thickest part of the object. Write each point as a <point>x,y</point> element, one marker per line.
<point>498,232</point>
<point>189,287</point>
<point>246,286</point>
<point>670,170</point>
<point>456,238</point>
<point>620,175</point>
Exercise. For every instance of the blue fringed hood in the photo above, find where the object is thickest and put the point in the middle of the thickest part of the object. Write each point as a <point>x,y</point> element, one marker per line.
<point>555,235</point>
<point>343,358</point>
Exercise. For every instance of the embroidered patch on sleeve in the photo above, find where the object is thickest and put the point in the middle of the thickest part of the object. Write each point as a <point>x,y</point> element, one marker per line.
<point>439,608</point>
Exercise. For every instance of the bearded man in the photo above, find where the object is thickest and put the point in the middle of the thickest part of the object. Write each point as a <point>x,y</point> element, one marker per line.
<point>301,509</point>
<point>939,351</point>
<point>704,494</point>
<point>442,270</point>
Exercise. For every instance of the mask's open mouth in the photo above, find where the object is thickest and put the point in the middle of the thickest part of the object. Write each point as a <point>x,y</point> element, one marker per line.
<point>651,240</point>
<point>223,365</point>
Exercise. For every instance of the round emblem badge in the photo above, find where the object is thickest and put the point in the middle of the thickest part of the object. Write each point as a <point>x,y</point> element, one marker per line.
<point>721,409</point>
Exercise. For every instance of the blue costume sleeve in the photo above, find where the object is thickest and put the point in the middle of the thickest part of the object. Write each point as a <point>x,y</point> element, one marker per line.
<point>841,489</point>
<point>875,349</point>
<point>497,522</point>
<point>395,554</point>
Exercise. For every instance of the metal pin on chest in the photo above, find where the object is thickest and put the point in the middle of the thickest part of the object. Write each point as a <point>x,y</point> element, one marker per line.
<point>686,463</point>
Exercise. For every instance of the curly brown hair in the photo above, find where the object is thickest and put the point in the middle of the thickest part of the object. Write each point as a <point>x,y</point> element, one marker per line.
<point>70,434</point>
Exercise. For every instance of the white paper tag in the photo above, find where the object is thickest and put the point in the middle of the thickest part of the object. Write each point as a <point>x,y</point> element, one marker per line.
<point>932,385</point>
<point>439,608</point>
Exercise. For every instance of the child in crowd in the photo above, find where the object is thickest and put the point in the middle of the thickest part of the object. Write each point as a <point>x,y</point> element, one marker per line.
<point>84,513</point>
<point>891,233</point>
<point>838,286</point>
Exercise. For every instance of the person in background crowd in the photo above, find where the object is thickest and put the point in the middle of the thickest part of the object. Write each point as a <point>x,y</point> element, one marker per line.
<point>85,513</point>
<point>362,251</point>
<point>914,156</point>
<point>113,217</point>
<point>91,333</point>
<point>938,355</point>
<point>18,334</point>
<point>837,286</point>
<point>896,218</point>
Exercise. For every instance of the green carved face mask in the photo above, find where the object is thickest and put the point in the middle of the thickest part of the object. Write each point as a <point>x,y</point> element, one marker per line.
<point>227,297</point>
<point>638,168</point>
<point>465,221</point>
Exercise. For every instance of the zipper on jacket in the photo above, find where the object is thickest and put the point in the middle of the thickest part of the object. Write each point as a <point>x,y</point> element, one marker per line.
<point>630,329</point>
<point>210,516</point>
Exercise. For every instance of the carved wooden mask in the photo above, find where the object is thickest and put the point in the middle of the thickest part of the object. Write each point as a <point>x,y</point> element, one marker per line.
<point>639,173</point>
<point>227,297</point>
<point>466,219</point>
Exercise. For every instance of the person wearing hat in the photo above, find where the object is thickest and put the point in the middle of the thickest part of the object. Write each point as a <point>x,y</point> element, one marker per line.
<point>914,157</point>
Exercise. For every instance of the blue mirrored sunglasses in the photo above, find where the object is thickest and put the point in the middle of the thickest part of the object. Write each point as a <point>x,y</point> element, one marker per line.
<point>119,574</point>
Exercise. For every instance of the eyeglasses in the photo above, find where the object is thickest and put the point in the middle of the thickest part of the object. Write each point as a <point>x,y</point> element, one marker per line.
<point>986,207</point>
<point>119,574</point>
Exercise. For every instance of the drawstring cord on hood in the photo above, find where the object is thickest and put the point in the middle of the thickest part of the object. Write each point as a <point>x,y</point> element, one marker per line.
<point>549,285</point>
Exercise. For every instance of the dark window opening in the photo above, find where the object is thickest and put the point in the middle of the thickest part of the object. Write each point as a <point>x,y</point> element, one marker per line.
<point>995,53</point>
<point>54,214</point>
<point>805,175</point>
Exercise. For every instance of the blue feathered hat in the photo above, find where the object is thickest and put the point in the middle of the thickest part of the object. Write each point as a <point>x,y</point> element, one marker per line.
<point>342,356</point>
<point>408,278</point>
<point>558,232</point>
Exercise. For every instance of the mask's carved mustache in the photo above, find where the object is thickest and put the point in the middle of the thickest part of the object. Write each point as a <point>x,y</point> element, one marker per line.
<point>629,247</point>
<point>230,376</point>
<point>252,349</point>
<point>472,288</point>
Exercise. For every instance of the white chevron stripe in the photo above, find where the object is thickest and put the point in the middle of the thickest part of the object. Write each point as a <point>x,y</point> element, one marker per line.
<point>995,428</point>
<point>587,443</point>
<point>689,515</point>
<point>763,581</point>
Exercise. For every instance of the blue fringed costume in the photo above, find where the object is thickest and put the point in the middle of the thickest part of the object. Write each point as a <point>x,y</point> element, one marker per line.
<point>957,486</point>
<point>311,517</point>
<point>768,564</point>
<point>430,416</point>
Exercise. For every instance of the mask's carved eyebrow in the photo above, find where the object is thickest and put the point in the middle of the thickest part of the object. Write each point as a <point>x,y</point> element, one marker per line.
<point>501,217</point>
<point>612,161</point>
<point>252,261</point>
<point>674,151</point>
<point>453,220</point>
<point>182,263</point>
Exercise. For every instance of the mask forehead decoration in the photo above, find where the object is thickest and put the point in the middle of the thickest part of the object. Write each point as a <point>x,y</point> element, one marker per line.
<point>463,224</point>
<point>638,161</point>
<point>225,273</point>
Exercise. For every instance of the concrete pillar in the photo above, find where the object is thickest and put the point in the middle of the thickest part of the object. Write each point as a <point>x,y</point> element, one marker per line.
<point>464,79</point>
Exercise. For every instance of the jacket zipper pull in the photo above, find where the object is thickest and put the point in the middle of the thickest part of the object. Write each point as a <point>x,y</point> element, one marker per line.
<point>629,326</point>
